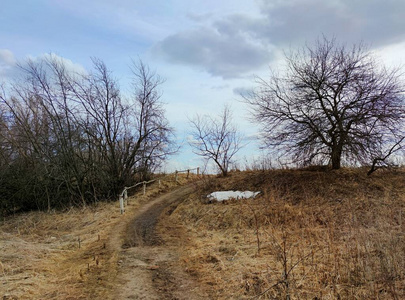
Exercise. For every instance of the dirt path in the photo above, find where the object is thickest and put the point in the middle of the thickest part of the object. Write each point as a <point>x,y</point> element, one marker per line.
<point>148,264</point>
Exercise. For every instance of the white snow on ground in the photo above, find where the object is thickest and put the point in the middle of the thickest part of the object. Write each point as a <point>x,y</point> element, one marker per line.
<point>227,195</point>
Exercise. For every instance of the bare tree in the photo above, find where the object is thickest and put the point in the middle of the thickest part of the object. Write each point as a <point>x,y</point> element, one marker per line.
<point>45,134</point>
<point>131,134</point>
<point>154,135</point>
<point>69,138</point>
<point>216,139</point>
<point>333,104</point>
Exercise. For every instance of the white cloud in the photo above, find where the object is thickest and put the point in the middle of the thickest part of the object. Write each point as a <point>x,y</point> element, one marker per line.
<point>72,67</point>
<point>7,57</point>
<point>7,63</point>
<point>69,64</point>
<point>10,65</point>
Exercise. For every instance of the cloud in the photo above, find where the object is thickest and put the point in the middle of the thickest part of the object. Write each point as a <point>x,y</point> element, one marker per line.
<point>242,91</point>
<point>11,67</point>
<point>7,63</point>
<point>374,21</point>
<point>199,18</point>
<point>225,54</point>
<point>237,44</point>
<point>7,57</point>
<point>70,66</point>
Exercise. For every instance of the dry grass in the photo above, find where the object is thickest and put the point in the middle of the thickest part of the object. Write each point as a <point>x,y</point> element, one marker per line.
<point>41,256</point>
<point>311,235</point>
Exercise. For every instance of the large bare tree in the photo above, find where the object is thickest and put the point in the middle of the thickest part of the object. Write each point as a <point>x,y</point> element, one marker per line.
<point>333,104</point>
<point>216,139</point>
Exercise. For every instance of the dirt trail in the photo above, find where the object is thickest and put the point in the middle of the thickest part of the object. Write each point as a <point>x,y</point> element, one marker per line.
<point>148,265</point>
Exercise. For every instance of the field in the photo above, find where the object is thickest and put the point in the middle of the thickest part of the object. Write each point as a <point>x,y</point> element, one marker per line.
<point>310,234</point>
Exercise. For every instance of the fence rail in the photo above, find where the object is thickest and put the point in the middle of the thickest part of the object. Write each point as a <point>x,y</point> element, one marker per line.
<point>123,197</point>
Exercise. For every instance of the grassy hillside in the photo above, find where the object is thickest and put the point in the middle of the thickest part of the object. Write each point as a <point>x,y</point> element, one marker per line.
<point>312,234</point>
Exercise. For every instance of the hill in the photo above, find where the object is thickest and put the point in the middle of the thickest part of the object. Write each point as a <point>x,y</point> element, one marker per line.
<point>312,234</point>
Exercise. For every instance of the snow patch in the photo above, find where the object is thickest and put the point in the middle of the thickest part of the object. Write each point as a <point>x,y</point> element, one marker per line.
<point>227,195</point>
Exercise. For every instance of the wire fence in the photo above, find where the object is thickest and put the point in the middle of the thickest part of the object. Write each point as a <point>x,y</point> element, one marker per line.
<point>123,197</point>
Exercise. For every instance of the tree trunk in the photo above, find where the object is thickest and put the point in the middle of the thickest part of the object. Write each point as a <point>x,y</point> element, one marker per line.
<point>336,158</point>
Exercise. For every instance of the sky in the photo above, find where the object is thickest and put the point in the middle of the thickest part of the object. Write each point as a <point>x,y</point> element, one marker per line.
<point>208,51</point>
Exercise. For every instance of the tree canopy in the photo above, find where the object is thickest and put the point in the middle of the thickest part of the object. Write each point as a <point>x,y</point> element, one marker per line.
<point>334,104</point>
<point>216,139</point>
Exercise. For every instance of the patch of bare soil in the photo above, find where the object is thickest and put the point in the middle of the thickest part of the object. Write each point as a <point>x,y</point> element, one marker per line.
<point>149,262</point>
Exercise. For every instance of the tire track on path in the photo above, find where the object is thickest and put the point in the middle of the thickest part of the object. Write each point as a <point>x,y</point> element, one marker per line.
<point>149,269</point>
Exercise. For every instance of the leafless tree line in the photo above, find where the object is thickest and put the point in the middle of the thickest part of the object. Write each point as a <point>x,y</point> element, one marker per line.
<point>72,138</point>
<point>69,138</point>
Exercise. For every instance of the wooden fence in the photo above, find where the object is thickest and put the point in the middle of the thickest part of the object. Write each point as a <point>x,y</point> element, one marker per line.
<point>123,197</point>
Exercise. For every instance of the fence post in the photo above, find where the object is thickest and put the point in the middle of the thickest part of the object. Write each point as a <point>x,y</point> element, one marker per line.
<point>188,173</point>
<point>198,171</point>
<point>144,187</point>
<point>176,176</point>
<point>159,183</point>
<point>122,209</point>
<point>126,196</point>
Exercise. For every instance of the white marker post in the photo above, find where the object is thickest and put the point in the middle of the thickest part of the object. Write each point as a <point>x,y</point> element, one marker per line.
<point>122,209</point>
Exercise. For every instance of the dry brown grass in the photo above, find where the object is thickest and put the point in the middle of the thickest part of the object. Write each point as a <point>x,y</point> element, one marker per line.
<point>311,235</point>
<point>40,256</point>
